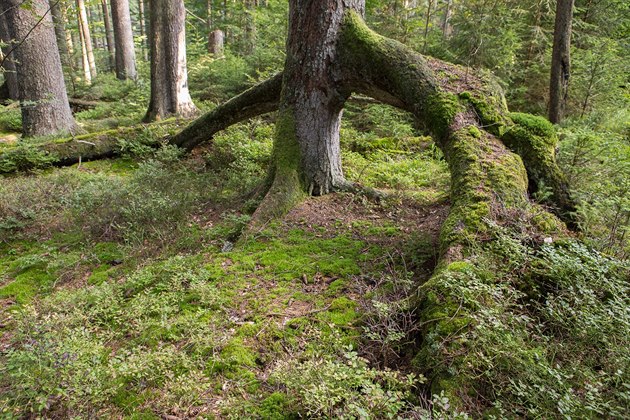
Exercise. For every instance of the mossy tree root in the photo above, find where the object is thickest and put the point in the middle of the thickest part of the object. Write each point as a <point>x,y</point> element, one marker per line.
<point>487,150</point>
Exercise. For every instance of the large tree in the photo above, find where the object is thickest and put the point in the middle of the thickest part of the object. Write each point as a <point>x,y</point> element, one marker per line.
<point>169,75</point>
<point>496,158</point>
<point>330,55</point>
<point>9,89</point>
<point>42,90</point>
<point>123,36</point>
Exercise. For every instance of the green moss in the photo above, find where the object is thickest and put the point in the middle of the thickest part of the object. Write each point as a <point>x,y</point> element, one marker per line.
<point>286,186</point>
<point>336,287</point>
<point>441,110</point>
<point>237,354</point>
<point>535,140</point>
<point>100,274</point>
<point>302,253</point>
<point>460,266</point>
<point>276,406</point>
<point>27,285</point>
<point>108,252</point>
<point>474,131</point>
<point>342,312</point>
<point>538,126</point>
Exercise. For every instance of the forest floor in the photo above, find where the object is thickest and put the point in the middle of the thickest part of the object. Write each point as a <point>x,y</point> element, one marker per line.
<point>127,291</point>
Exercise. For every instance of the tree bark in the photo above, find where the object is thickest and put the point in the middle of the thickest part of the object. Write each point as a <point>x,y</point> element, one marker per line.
<point>215,43</point>
<point>8,62</point>
<point>84,30</point>
<point>258,100</point>
<point>109,35</point>
<point>43,98</point>
<point>446,19</point>
<point>169,78</point>
<point>60,32</point>
<point>307,147</point>
<point>560,61</point>
<point>123,37</point>
<point>143,30</point>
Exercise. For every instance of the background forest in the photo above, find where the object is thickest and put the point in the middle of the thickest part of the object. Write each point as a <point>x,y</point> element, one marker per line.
<point>126,293</point>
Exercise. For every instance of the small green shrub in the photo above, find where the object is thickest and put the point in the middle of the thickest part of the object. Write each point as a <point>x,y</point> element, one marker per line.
<point>342,385</point>
<point>24,157</point>
<point>10,119</point>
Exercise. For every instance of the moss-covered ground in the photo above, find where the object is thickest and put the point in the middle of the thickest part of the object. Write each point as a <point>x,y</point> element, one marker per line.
<point>127,289</point>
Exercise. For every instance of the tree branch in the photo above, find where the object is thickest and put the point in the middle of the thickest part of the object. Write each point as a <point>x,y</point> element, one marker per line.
<point>258,100</point>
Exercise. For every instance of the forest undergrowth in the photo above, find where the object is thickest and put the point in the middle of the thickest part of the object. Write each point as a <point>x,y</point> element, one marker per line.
<point>128,290</point>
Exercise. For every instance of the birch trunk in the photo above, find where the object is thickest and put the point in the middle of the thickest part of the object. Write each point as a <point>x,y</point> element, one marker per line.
<point>84,30</point>
<point>109,35</point>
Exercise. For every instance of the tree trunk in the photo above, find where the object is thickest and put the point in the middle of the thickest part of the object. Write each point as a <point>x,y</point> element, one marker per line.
<point>8,62</point>
<point>560,61</point>
<point>143,31</point>
<point>307,155</point>
<point>249,28</point>
<point>44,102</point>
<point>215,43</point>
<point>109,35</point>
<point>85,62</point>
<point>123,36</point>
<point>84,30</point>
<point>60,33</point>
<point>446,19</point>
<point>169,78</point>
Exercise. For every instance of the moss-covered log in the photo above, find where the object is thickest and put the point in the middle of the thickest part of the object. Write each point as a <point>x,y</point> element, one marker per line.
<point>260,99</point>
<point>25,156</point>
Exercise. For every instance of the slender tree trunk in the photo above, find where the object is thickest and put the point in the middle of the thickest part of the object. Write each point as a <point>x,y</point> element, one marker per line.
<point>109,35</point>
<point>216,37</point>
<point>169,78</point>
<point>69,36</point>
<point>85,63</point>
<point>60,32</point>
<point>249,28</point>
<point>209,21</point>
<point>446,20</point>
<point>426,25</point>
<point>123,36</point>
<point>44,102</point>
<point>8,62</point>
<point>560,61</point>
<point>143,30</point>
<point>84,30</point>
